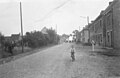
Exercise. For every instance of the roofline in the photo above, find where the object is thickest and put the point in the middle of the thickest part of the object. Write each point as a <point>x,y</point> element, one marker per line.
<point>111,4</point>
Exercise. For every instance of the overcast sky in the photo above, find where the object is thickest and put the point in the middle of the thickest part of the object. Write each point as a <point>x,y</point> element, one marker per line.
<point>65,14</point>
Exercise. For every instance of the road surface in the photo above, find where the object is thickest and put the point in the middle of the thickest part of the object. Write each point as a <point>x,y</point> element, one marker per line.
<point>55,62</point>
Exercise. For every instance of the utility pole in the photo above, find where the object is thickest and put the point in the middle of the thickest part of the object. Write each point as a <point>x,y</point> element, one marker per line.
<point>56,28</point>
<point>88,29</point>
<point>21,27</point>
<point>56,33</point>
<point>88,20</point>
<point>79,28</point>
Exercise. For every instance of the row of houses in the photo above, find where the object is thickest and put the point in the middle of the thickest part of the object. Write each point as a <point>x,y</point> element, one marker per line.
<point>105,29</point>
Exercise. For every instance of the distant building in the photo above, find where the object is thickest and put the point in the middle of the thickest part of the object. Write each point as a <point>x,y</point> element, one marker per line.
<point>70,38</point>
<point>84,35</point>
<point>78,36</point>
<point>96,30</point>
<point>44,30</point>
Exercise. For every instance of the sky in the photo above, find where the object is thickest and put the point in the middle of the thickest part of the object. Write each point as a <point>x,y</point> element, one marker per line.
<point>63,15</point>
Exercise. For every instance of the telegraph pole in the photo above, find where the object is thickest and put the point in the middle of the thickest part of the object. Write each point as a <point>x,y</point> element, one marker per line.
<point>21,27</point>
<point>56,28</point>
<point>88,20</point>
<point>79,28</point>
<point>56,33</point>
<point>88,26</point>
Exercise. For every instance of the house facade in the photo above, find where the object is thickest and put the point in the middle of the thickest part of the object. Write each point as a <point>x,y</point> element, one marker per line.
<point>105,29</point>
<point>78,36</point>
<point>111,25</point>
<point>44,30</point>
<point>84,35</point>
<point>97,27</point>
<point>92,31</point>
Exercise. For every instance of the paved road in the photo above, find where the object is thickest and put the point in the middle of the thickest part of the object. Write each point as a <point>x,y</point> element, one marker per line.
<point>55,62</point>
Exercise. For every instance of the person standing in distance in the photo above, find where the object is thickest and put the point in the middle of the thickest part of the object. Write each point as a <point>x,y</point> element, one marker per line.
<point>72,50</point>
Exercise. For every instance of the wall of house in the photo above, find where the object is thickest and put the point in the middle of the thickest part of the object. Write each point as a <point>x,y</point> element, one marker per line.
<point>86,36</point>
<point>110,27</point>
<point>98,36</point>
<point>91,29</point>
<point>106,28</point>
<point>116,23</point>
<point>78,36</point>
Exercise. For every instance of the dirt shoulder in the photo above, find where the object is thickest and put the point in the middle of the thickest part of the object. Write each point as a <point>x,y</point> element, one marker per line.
<point>104,62</point>
<point>17,56</point>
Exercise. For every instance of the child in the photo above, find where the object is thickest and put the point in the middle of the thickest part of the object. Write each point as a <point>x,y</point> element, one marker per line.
<point>72,53</point>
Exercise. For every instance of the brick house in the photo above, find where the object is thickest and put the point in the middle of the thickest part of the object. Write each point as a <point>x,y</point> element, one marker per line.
<point>98,30</point>
<point>105,29</point>
<point>112,24</point>
<point>44,30</point>
<point>84,35</point>
<point>92,31</point>
<point>78,37</point>
<point>116,23</point>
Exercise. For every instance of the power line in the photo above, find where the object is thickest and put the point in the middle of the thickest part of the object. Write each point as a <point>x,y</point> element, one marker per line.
<point>50,12</point>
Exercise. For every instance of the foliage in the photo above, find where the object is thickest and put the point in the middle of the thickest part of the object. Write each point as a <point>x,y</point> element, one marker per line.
<point>6,45</point>
<point>1,39</point>
<point>34,39</point>
<point>38,39</point>
<point>51,35</point>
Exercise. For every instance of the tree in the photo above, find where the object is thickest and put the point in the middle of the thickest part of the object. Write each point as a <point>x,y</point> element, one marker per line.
<point>75,32</point>
<point>51,35</point>
<point>1,43</point>
<point>1,39</point>
<point>37,39</point>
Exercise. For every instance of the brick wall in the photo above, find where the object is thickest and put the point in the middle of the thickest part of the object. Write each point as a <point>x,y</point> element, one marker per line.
<point>116,23</point>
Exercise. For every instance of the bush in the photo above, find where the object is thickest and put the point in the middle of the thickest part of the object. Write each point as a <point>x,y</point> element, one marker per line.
<point>37,39</point>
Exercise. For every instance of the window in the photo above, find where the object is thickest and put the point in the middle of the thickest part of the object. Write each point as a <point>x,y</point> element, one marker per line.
<point>109,19</point>
<point>96,27</point>
<point>108,37</point>
<point>100,23</point>
<point>101,38</point>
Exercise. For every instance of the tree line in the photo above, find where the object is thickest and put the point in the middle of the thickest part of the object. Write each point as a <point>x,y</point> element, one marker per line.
<point>34,39</point>
<point>37,38</point>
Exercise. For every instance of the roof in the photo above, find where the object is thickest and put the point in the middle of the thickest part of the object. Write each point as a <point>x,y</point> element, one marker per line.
<point>44,30</point>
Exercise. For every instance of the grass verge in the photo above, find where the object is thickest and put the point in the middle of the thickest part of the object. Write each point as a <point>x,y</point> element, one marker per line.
<point>18,54</point>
